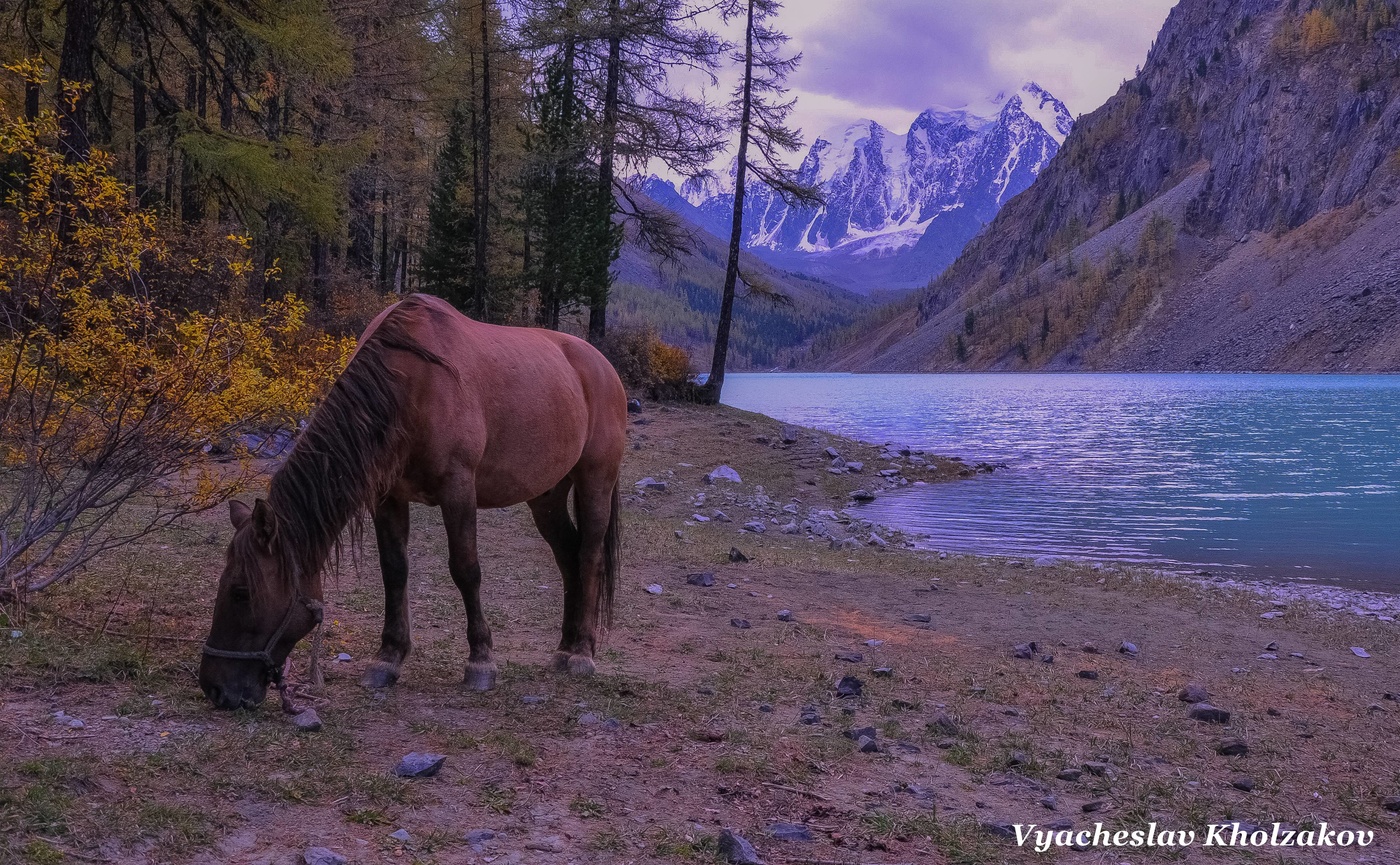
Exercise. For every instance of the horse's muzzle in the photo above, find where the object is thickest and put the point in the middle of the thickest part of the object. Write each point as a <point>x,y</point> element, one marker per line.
<point>238,692</point>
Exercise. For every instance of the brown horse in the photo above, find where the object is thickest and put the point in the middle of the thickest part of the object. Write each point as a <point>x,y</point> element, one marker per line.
<point>439,409</point>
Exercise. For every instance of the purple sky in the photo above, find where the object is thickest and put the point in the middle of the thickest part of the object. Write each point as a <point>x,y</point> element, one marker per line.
<point>887,60</point>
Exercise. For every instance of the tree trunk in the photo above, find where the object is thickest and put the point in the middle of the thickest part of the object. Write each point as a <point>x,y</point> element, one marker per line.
<point>711,392</point>
<point>75,67</point>
<point>483,199</point>
<point>598,310</point>
<point>141,151</point>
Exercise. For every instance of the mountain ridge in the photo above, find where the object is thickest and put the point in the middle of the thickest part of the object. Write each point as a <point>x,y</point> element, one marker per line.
<point>1233,206</point>
<point>899,207</point>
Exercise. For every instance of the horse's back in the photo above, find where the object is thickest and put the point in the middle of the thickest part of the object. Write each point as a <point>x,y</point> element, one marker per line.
<point>523,405</point>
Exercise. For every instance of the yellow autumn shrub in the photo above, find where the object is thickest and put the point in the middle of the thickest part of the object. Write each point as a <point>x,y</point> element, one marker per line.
<point>111,398</point>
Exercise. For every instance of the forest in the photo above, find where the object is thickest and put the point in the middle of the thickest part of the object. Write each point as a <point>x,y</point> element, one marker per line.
<point>205,201</point>
<point>473,149</point>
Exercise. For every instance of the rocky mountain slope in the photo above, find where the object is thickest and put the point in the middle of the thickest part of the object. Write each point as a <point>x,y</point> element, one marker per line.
<point>899,207</point>
<point>1235,206</point>
<point>680,299</point>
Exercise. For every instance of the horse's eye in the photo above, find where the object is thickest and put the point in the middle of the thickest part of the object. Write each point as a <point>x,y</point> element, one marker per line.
<point>240,593</point>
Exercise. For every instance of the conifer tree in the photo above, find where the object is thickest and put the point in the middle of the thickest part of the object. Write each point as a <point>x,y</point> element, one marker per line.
<point>448,258</point>
<point>760,110</point>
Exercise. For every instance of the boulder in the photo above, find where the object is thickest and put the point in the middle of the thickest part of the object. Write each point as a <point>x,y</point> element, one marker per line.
<point>736,849</point>
<point>420,765</point>
<point>723,473</point>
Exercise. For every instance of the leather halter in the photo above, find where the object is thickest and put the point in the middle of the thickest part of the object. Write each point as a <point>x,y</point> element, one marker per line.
<point>265,654</point>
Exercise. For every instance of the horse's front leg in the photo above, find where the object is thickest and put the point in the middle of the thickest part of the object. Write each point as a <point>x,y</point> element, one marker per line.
<point>391,536</point>
<point>459,518</point>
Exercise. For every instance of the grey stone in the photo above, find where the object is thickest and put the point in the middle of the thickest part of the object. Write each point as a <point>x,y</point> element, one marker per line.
<point>849,686</point>
<point>810,716</point>
<point>788,433</point>
<point>343,658</point>
<point>1094,767</point>
<point>790,832</point>
<point>867,745</point>
<point>400,835</point>
<point>858,733</point>
<point>1193,693</point>
<point>785,615</point>
<point>736,556</point>
<point>883,672</point>
<point>307,721</point>
<point>944,724</point>
<point>322,856</point>
<point>655,589</point>
<point>588,719</point>
<point>1391,804</point>
<point>1024,651</point>
<point>1244,783</point>
<point>790,529</point>
<point>704,579</point>
<point>1046,562</point>
<point>1232,748</point>
<point>1088,674</point>
<point>855,466</point>
<point>722,473</point>
<point>862,496</point>
<point>634,406</point>
<point>918,618</point>
<point>1360,652</point>
<point>756,527</point>
<point>533,699</point>
<point>741,624</point>
<point>480,836</point>
<point>1070,774</point>
<point>651,484</point>
<point>1092,806</point>
<point>833,453</point>
<point>420,765</point>
<point>999,828</point>
<point>736,849</point>
<point>1272,647</point>
<point>1208,714</point>
<point>1050,802</point>
<point>1127,648</point>
<point>850,657</point>
<point>720,516</point>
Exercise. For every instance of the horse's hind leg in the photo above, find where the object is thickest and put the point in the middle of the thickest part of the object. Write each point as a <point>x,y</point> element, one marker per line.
<point>551,513</point>
<point>391,536</point>
<point>459,518</point>
<point>593,495</point>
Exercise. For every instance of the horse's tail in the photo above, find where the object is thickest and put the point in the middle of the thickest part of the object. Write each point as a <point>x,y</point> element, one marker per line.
<point>612,559</point>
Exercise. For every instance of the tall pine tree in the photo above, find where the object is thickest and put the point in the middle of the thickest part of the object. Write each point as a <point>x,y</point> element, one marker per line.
<point>448,260</point>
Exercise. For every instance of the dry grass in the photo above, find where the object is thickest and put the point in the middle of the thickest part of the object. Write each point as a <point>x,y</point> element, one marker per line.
<point>701,720</point>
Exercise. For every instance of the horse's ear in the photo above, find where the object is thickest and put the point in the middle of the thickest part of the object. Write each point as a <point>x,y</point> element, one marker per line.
<point>239,514</point>
<point>264,524</point>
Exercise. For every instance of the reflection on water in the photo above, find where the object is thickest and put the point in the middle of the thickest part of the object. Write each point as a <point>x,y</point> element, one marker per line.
<point>1278,476</point>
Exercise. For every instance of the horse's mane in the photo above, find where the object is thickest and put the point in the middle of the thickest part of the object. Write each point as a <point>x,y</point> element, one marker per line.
<point>348,455</point>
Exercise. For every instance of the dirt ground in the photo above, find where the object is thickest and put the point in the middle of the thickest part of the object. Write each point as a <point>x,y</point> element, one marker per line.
<point>694,723</point>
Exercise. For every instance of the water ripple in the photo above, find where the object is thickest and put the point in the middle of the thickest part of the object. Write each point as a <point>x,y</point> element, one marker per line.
<point>1268,474</point>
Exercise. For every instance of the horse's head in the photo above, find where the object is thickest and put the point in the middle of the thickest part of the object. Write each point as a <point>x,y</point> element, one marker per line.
<point>259,614</point>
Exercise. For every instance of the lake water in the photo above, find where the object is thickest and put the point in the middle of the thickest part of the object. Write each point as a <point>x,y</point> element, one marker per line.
<point>1253,476</point>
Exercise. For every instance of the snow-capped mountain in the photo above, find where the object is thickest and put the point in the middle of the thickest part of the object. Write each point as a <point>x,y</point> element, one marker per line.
<point>898,208</point>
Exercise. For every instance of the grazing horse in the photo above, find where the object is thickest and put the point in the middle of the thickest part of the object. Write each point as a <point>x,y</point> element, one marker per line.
<point>438,409</point>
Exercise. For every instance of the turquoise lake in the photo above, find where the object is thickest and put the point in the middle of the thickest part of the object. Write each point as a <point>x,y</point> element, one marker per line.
<point>1293,477</point>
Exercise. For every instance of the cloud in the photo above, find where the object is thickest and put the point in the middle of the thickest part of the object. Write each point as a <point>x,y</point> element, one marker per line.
<point>888,59</point>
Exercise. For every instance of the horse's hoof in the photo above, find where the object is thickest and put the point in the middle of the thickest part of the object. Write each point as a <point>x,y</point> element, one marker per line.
<point>560,662</point>
<point>480,677</point>
<point>581,665</point>
<point>381,674</point>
